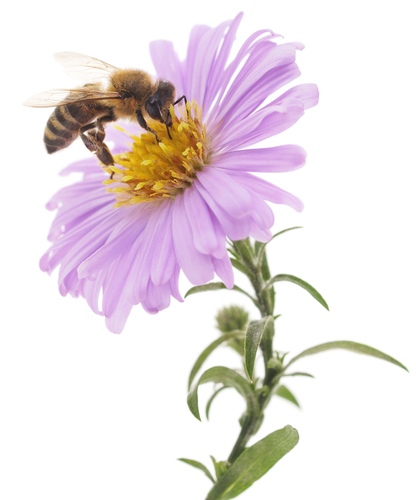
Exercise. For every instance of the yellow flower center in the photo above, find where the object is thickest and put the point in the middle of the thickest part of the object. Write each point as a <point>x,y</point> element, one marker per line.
<point>153,171</point>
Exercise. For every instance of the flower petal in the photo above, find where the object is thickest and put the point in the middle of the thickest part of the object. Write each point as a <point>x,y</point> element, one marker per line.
<point>216,78</point>
<point>235,229</point>
<point>224,270</point>
<point>122,237</point>
<point>229,194</point>
<point>277,159</point>
<point>251,98</point>
<point>265,57</point>
<point>164,260</point>
<point>263,124</point>
<point>167,65</point>
<point>197,267</point>
<point>306,93</point>
<point>197,33</point>
<point>205,238</point>
<point>269,192</point>
<point>216,114</point>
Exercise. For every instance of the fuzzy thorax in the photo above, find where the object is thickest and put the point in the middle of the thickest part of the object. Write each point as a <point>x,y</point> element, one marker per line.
<point>153,171</point>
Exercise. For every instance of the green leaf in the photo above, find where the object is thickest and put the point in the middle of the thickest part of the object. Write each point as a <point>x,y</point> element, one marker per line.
<point>260,247</point>
<point>254,334</point>
<point>199,466</point>
<point>265,272</point>
<point>245,251</point>
<point>297,374</point>
<point>284,393</point>
<point>241,267</point>
<point>256,427</point>
<point>219,286</point>
<point>211,399</point>
<point>204,355</point>
<point>221,374</point>
<point>349,346</point>
<point>205,288</point>
<point>253,463</point>
<point>288,277</point>
<point>220,467</point>
<point>285,231</point>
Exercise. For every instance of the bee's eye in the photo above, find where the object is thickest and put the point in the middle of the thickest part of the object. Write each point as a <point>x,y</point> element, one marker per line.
<point>152,108</point>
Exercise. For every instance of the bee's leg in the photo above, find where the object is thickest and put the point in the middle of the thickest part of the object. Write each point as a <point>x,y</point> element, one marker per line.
<point>85,139</point>
<point>168,123</point>
<point>180,99</point>
<point>143,124</point>
<point>99,126</point>
<point>94,140</point>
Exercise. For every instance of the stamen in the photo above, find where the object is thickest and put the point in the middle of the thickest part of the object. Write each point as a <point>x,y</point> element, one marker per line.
<point>154,171</point>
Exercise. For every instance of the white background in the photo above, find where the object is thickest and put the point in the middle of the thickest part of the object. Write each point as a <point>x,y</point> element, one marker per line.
<point>86,414</point>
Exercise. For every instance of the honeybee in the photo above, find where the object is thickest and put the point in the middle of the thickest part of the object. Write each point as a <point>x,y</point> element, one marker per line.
<point>129,93</point>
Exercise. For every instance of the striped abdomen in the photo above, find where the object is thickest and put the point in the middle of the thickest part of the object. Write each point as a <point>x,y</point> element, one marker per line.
<point>64,125</point>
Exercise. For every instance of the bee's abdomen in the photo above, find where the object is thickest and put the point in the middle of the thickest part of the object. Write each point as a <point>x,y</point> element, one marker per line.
<point>64,125</point>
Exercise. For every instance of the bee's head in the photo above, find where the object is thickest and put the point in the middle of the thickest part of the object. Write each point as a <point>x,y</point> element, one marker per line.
<point>158,104</point>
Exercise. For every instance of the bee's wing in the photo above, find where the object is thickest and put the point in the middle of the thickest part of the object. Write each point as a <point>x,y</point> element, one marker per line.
<point>84,68</point>
<point>60,97</point>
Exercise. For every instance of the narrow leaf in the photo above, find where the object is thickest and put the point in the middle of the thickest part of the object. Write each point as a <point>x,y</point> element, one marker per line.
<point>218,286</point>
<point>245,251</point>
<point>260,247</point>
<point>204,355</point>
<point>297,281</point>
<point>284,393</point>
<point>298,374</point>
<point>205,288</point>
<point>220,467</point>
<point>241,267</point>
<point>349,346</point>
<point>211,399</point>
<point>198,465</point>
<point>265,272</point>
<point>254,334</point>
<point>285,231</point>
<point>223,375</point>
<point>253,463</point>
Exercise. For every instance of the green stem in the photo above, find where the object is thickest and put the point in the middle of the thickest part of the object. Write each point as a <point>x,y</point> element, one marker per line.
<point>259,273</point>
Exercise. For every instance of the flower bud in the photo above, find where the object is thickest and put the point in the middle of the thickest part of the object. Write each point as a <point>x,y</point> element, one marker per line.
<point>232,318</point>
<point>274,364</point>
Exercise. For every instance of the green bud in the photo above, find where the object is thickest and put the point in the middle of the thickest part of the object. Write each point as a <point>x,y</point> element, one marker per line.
<point>274,364</point>
<point>232,318</point>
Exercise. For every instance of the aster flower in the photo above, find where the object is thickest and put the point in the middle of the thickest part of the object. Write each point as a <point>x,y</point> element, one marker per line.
<point>170,206</point>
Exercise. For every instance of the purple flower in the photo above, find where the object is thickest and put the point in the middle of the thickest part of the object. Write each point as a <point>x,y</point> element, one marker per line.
<point>170,206</point>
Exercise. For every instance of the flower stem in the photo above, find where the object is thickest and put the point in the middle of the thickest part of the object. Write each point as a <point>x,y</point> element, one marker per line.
<point>258,273</point>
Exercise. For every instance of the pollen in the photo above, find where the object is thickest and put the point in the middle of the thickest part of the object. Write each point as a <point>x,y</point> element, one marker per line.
<point>157,170</point>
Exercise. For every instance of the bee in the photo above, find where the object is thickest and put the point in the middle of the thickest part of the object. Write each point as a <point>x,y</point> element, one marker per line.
<point>83,111</point>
